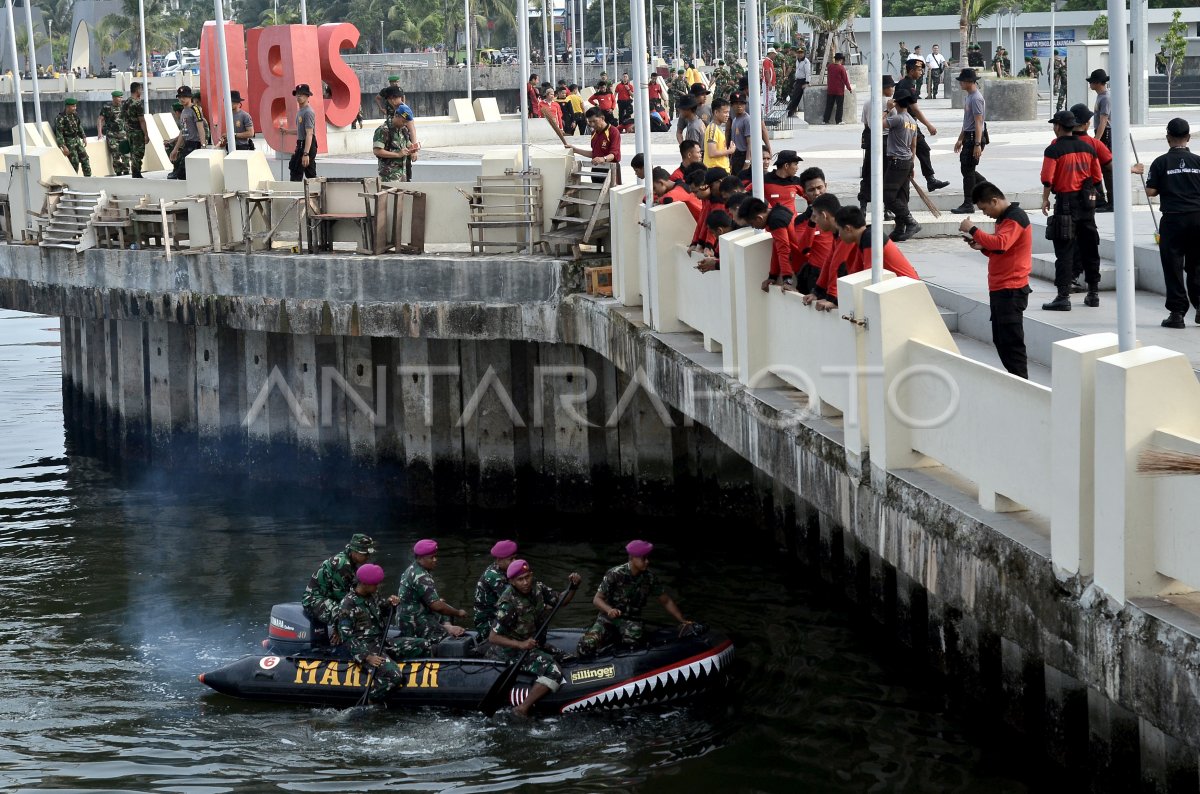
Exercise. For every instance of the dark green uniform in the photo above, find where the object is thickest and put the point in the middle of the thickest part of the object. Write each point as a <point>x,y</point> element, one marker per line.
<point>628,593</point>
<point>1060,84</point>
<point>488,590</point>
<point>518,617</point>
<point>361,623</point>
<point>417,592</point>
<point>391,138</point>
<point>327,587</point>
<point>677,89</point>
<point>115,134</point>
<point>722,83</point>
<point>68,131</point>
<point>131,111</point>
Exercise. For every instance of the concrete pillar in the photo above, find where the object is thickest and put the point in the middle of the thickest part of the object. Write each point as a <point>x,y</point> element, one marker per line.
<point>1073,425</point>
<point>205,177</point>
<point>669,231</point>
<point>897,310</point>
<point>489,418</point>
<point>1139,77</point>
<point>447,404</point>
<point>134,391</point>
<point>258,384</point>
<point>158,351</point>
<point>629,280</point>
<point>206,352</point>
<point>361,408</point>
<point>413,403</point>
<point>303,376</point>
<point>561,377</point>
<point>1137,392</point>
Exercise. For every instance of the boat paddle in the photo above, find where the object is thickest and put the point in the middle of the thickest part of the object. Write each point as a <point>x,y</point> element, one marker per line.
<point>499,692</point>
<point>378,652</point>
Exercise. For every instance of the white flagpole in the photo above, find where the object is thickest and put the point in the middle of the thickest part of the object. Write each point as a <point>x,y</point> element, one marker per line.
<point>1118,31</point>
<point>223,61</point>
<point>33,76</point>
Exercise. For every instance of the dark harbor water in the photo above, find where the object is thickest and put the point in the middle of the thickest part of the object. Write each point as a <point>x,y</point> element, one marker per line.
<point>114,594</point>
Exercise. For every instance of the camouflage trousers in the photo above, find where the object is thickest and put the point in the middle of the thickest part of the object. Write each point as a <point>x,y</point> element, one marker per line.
<point>393,170</point>
<point>137,152</point>
<point>384,679</point>
<point>540,663</point>
<point>77,154</point>
<point>390,675</point>
<point>120,161</point>
<point>604,631</point>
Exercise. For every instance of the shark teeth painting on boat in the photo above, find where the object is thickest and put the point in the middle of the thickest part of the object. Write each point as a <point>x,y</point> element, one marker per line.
<point>664,684</point>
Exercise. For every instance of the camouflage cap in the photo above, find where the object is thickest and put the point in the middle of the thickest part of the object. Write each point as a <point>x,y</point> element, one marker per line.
<point>361,543</point>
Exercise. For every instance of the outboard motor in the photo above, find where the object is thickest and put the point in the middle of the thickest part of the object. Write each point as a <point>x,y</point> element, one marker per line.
<point>290,631</point>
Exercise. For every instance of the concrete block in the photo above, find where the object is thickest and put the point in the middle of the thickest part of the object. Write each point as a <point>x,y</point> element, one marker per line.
<point>247,170</point>
<point>461,111</point>
<point>486,109</point>
<point>814,106</point>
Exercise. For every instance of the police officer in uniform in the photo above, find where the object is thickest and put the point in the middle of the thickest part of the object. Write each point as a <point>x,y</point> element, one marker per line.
<point>304,159</point>
<point>913,69</point>
<point>901,149</point>
<point>972,139</point>
<point>1175,178</point>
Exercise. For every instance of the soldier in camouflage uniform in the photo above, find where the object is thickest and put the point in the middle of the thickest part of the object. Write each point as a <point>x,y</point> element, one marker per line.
<point>1060,82</point>
<point>363,621</point>
<point>133,112</point>
<point>68,131</point>
<point>787,74</point>
<point>491,586</point>
<point>111,127</point>
<point>722,81</point>
<point>391,148</point>
<point>521,610</point>
<point>621,597</point>
<point>677,89</point>
<point>333,580</point>
<point>419,599</point>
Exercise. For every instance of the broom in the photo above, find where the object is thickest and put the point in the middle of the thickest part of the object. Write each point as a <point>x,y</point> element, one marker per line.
<point>1159,462</point>
<point>1153,216</point>
<point>925,197</point>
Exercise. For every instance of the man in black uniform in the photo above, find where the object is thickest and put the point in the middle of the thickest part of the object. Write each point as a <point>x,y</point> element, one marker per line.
<point>1175,178</point>
<point>914,68</point>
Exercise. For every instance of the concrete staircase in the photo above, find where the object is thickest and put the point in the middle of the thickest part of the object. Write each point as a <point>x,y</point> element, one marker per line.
<point>70,224</point>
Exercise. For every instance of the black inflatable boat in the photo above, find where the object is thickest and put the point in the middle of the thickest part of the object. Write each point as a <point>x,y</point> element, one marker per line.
<point>298,668</point>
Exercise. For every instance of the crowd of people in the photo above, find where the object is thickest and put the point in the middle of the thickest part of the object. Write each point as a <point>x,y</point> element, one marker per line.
<point>343,602</point>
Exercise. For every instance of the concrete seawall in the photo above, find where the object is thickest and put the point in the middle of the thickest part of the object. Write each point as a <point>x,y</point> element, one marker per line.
<point>165,362</point>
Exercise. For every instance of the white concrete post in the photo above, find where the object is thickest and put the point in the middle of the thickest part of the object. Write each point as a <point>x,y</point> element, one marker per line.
<point>1073,426</point>
<point>1118,29</point>
<point>753,76</point>
<point>1137,391</point>
<point>223,62</point>
<point>1139,76</point>
<point>877,107</point>
<point>22,222</point>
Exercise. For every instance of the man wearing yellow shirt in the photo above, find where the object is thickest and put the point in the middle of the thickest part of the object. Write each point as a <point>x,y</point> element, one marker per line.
<point>716,153</point>
<point>694,76</point>
<point>577,108</point>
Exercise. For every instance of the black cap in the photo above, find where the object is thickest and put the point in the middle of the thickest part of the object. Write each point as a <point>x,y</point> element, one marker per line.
<point>302,89</point>
<point>904,98</point>
<point>1178,128</point>
<point>888,82</point>
<point>687,103</point>
<point>736,98</point>
<point>1098,76</point>
<point>235,97</point>
<point>1064,118</point>
<point>698,89</point>
<point>184,91</point>
<point>967,76</point>
<point>1083,113</point>
<point>390,92</point>
<point>786,156</point>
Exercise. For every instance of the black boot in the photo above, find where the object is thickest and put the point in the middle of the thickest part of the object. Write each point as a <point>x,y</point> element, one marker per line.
<point>1174,321</point>
<point>1060,304</point>
<point>966,208</point>
<point>1092,299</point>
<point>933,184</point>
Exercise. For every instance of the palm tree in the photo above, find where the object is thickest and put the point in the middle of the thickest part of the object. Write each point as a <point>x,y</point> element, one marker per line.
<point>826,17</point>
<point>970,12</point>
<point>113,35</point>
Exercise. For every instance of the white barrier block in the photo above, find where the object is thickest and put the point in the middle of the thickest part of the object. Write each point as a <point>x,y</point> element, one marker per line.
<point>486,109</point>
<point>461,111</point>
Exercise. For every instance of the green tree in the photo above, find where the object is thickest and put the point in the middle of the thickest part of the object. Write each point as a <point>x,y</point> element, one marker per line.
<point>826,17</point>
<point>114,35</point>
<point>1099,28</point>
<point>1174,45</point>
<point>969,14</point>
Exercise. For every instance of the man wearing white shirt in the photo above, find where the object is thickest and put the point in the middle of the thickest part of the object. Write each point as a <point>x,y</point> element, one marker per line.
<point>935,65</point>
<point>799,82</point>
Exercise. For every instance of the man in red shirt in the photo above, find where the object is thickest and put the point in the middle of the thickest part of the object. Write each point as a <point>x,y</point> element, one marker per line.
<point>824,213</point>
<point>853,228</point>
<point>605,144</point>
<point>1071,170</point>
<point>812,244</point>
<point>768,80</point>
<point>605,100</point>
<point>781,185</point>
<point>531,90</point>
<point>689,153</point>
<point>777,221</point>
<point>666,192</point>
<point>624,92</point>
<point>837,83</point>
<point>1010,258</point>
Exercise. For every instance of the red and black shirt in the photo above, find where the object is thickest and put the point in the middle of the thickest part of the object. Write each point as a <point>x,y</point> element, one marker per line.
<point>1009,250</point>
<point>1069,165</point>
